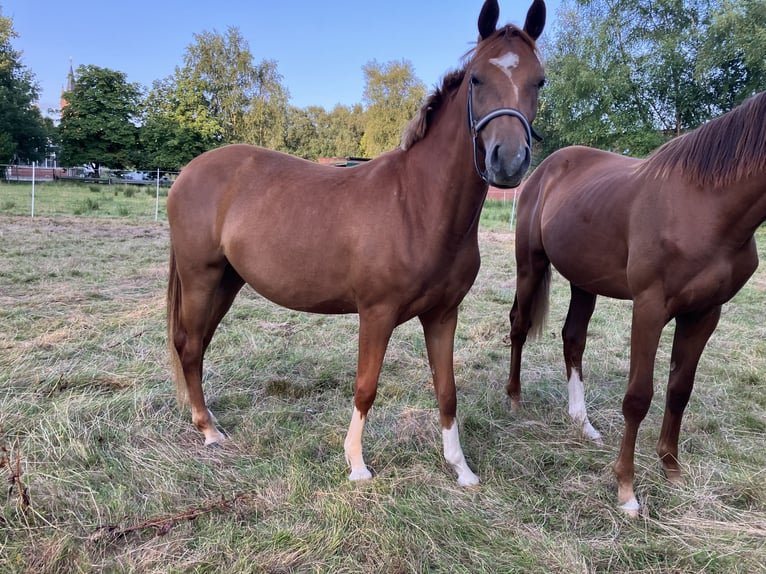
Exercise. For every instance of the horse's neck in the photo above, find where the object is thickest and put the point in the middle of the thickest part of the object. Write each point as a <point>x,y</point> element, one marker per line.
<point>743,205</point>
<point>443,162</point>
<point>756,202</point>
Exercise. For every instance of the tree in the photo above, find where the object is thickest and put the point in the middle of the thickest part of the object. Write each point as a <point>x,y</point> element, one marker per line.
<point>392,94</point>
<point>265,117</point>
<point>247,102</point>
<point>733,53</point>
<point>313,132</point>
<point>24,133</point>
<point>625,75</point>
<point>98,124</point>
<point>176,125</point>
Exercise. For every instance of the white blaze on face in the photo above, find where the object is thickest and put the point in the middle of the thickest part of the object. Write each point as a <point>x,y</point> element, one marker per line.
<point>507,63</point>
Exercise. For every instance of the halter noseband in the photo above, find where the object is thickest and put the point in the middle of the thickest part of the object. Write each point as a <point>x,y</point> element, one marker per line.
<point>476,126</point>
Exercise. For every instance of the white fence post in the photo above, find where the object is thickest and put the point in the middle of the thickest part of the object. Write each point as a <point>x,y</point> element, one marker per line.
<point>33,189</point>
<point>157,198</point>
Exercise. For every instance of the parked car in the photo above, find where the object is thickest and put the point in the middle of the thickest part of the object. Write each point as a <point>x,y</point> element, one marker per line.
<point>135,176</point>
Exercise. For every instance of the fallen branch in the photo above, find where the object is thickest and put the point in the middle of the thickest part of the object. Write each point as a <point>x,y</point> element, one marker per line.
<point>15,479</point>
<point>163,524</point>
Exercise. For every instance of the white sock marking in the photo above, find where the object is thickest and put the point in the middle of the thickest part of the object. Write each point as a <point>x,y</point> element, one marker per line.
<point>353,447</point>
<point>453,454</point>
<point>577,407</point>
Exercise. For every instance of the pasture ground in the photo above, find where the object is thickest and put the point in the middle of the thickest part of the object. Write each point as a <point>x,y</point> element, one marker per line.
<point>104,473</point>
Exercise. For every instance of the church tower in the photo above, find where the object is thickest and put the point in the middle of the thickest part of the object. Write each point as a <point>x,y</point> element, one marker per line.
<point>69,85</point>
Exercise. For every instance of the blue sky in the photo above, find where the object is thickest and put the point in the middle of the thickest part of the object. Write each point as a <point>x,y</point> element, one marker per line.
<point>320,47</point>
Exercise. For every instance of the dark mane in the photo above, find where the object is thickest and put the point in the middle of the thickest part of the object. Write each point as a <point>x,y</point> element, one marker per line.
<point>418,126</point>
<point>720,152</point>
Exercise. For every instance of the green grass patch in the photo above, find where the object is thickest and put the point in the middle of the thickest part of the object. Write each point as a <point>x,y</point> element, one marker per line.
<point>67,198</point>
<point>104,473</point>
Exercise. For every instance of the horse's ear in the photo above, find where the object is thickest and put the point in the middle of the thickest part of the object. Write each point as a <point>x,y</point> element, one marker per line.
<point>490,12</point>
<point>535,19</point>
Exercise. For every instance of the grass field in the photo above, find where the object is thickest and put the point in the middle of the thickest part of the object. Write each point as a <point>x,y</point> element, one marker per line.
<point>104,473</point>
<point>81,199</point>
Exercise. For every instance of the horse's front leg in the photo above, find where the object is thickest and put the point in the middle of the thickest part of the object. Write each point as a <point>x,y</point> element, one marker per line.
<point>691,336</point>
<point>439,330</point>
<point>375,330</point>
<point>647,323</point>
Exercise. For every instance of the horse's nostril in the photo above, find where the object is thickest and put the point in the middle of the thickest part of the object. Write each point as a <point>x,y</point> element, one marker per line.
<point>495,156</point>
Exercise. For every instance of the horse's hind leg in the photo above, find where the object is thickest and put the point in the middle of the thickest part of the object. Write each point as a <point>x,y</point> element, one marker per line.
<point>574,333</point>
<point>439,330</point>
<point>205,300</point>
<point>691,336</point>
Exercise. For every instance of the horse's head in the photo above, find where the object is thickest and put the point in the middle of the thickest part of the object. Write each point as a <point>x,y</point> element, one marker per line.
<point>504,77</point>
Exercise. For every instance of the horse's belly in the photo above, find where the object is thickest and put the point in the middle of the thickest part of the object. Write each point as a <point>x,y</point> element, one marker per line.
<point>305,296</point>
<point>593,272</point>
<point>295,282</point>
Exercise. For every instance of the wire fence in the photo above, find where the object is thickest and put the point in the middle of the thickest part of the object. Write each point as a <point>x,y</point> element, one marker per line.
<point>50,191</point>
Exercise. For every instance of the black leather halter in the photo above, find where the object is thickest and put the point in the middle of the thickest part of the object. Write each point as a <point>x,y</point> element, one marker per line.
<point>477,125</point>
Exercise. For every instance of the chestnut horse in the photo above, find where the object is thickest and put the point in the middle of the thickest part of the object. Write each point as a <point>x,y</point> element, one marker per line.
<point>674,233</point>
<point>392,239</point>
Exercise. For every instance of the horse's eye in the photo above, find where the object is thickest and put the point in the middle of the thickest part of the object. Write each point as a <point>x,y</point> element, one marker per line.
<point>541,84</point>
<point>475,81</point>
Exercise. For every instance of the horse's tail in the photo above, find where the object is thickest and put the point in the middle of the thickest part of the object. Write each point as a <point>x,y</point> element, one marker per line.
<point>174,325</point>
<point>540,305</point>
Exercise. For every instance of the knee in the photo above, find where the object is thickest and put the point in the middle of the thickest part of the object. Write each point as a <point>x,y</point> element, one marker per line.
<point>677,400</point>
<point>364,396</point>
<point>636,405</point>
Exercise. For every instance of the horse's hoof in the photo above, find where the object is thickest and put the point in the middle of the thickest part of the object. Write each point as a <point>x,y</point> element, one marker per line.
<point>468,482</point>
<point>214,444</point>
<point>592,434</point>
<point>630,508</point>
<point>674,477</point>
<point>357,475</point>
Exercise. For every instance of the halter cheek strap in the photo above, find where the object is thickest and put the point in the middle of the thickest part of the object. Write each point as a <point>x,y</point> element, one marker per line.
<point>477,125</point>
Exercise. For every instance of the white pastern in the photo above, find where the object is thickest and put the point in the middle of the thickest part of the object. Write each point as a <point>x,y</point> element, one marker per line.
<point>453,454</point>
<point>212,434</point>
<point>507,63</point>
<point>577,407</point>
<point>353,447</point>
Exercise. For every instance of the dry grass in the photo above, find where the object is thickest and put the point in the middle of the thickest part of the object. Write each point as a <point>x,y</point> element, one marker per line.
<point>104,473</point>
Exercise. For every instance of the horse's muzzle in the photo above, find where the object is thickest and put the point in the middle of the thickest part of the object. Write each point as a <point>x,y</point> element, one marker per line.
<point>505,164</point>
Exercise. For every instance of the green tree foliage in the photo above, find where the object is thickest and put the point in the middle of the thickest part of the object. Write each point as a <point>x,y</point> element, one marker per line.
<point>223,92</point>
<point>625,75</point>
<point>177,124</point>
<point>24,134</point>
<point>313,132</point>
<point>98,124</point>
<point>732,57</point>
<point>392,95</point>
<point>265,117</point>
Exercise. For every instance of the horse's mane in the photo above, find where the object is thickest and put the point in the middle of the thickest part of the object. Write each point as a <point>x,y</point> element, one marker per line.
<point>718,153</point>
<point>418,126</point>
